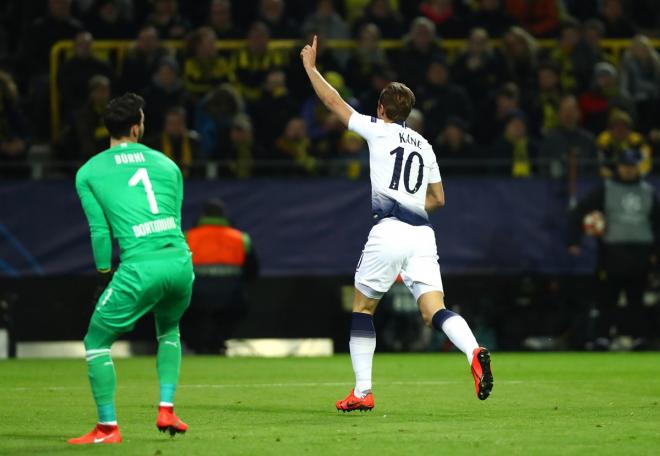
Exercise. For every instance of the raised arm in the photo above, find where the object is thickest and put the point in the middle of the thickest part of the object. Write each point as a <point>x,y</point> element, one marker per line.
<point>98,226</point>
<point>326,93</point>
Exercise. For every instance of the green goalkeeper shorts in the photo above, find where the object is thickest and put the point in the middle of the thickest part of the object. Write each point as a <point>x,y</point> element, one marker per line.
<point>162,285</point>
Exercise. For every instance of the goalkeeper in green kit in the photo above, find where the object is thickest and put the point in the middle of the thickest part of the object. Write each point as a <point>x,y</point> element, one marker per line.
<point>134,194</point>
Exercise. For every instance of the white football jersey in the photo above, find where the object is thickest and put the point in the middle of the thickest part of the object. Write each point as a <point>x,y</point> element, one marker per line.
<point>402,165</point>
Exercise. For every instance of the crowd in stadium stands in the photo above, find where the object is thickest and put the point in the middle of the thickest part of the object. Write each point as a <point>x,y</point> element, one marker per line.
<point>516,109</point>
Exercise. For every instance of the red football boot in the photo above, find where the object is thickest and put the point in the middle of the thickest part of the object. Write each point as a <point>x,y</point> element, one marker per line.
<point>483,376</point>
<point>102,433</point>
<point>353,402</point>
<point>168,421</point>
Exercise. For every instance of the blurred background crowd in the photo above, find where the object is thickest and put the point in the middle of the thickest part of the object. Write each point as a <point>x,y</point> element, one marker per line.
<point>535,87</point>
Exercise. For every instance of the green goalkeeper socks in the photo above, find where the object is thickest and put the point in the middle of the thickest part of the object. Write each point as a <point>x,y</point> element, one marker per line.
<point>168,365</point>
<point>101,372</point>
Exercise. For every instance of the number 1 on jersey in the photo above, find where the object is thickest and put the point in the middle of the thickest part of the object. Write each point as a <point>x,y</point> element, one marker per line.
<point>141,175</point>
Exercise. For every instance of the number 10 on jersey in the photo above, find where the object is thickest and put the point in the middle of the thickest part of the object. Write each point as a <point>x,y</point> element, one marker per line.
<point>396,174</point>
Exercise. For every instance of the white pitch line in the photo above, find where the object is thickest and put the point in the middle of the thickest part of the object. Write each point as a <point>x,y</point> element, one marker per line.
<point>269,385</point>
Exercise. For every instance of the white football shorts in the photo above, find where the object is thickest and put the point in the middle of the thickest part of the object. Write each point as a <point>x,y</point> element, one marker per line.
<point>394,248</point>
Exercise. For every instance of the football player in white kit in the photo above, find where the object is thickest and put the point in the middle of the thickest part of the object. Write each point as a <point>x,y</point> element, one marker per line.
<point>406,185</point>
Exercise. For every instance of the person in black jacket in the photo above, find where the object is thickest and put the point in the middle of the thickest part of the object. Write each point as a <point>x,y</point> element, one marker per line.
<point>163,93</point>
<point>440,99</point>
<point>626,250</point>
<point>76,73</point>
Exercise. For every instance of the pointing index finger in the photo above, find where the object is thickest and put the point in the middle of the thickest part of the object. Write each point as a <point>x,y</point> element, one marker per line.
<point>314,43</point>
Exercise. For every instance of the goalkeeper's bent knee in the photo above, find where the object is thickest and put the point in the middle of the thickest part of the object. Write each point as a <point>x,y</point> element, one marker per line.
<point>98,337</point>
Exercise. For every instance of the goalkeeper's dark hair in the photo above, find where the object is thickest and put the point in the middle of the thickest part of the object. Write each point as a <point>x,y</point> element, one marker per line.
<point>122,113</point>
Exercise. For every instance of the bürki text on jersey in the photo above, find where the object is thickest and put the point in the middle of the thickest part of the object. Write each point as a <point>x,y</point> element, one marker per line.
<point>122,159</point>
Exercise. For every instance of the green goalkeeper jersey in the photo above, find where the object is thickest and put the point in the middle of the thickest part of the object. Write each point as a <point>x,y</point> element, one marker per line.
<point>134,194</point>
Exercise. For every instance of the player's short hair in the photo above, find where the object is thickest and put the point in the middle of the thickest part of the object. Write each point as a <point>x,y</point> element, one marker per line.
<point>122,113</point>
<point>397,100</point>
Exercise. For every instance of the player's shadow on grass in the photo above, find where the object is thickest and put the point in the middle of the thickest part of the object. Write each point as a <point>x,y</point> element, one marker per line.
<point>56,443</point>
<point>256,408</point>
<point>251,408</point>
<point>287,410</point>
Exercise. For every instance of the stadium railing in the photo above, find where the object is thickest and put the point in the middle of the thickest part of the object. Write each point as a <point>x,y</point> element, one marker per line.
<point>119,48</point>
<point>40,166</point>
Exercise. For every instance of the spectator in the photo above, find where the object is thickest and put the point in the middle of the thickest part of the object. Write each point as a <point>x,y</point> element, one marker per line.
<point>441,99</point>
<point>273,110</point>
<point>58,24</point>
<point>479,68</point>
<point>221,21</point>
<point>107,23</point>
<point>544,101</point>
<point>326,60</point>
<point>327,22</point>
<point>91,134</point>
<point>581,9</point>
<point>516,150</point>
<point>225,262</point>
<point>492,119</point>
<point>353,156</point>
<point>380,77</point>
<point>618,138</point>
<point>126,8</point>
<point>418,48</point>
<point>540,17</point>
<point>176,141</point>
<point>574,59</point>
<point>456,150</point>
<point>13,128</point>
<point>593,34</point>
<point>491,17</point>
<point>272,13</point>
<point>142,60</point>
<point>164,93</point>
<point>34,57</point>
<point>167,20</point>
<point>77,71</point>
<point>213,118</point>
<point>415,121</point>
<point>604,95</point>
<point>646,16</point>
<point>365,59</point>
<point>242,150</point>
<point>324,128</point>
<point>447,20</point>
<point>568,143</point>
<point>295,148</point>
<point>626,250</point>
<point>253,63</point>
<point>381,13</point>
<point>204,68</point>
<point>520,55</point>
<point>640,77</point>
<point>617,25</point>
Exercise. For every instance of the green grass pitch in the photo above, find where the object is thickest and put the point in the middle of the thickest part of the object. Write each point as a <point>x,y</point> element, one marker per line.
<point>567,404</point>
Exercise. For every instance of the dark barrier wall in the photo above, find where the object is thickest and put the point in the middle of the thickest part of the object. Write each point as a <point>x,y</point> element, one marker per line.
<point>312,227</point>
<point>502,310</point>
